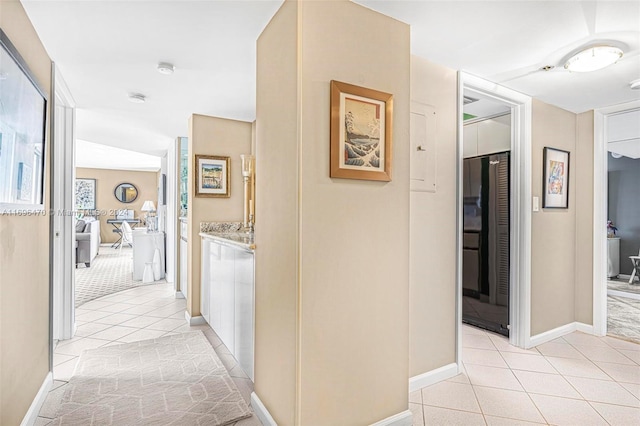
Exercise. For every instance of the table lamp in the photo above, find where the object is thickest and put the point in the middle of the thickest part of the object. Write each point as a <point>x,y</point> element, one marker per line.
<point>150,219</point>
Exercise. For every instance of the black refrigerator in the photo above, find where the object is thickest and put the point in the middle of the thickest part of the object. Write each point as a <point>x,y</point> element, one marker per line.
<point>486,241</point>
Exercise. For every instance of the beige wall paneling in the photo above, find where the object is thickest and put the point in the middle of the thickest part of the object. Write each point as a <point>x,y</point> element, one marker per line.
<point>327,294</point>
<point>24,258</point>
<point>553,231</point>
<point>222,137</point>
<point>433,230</point>
<point>106,201</point>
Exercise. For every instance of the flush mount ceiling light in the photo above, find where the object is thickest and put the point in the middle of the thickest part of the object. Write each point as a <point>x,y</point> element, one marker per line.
<point>137,98</point>
<point>593,58</point>
<point>165,68</point>
<point>635,84</point>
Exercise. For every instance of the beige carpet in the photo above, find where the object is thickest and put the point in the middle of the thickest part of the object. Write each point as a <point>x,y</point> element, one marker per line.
<point>171,380</point>
<point>110,272</point>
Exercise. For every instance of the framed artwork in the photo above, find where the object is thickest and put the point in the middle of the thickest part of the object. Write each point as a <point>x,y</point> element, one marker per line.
<point>85,194</point>
<point>555,175</point>
<point>23,111</point>
<point>361,139</point>
<point>212,176</point>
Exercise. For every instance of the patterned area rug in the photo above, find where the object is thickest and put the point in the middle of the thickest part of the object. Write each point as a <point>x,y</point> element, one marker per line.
<point>110,272</point>
<point>623,285</point>
<point>622,318</point>
<point>171,380</point>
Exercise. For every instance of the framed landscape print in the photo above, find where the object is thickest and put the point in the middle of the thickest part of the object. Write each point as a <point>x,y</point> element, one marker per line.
<point>85,194</point>
<point>555,177</point>
<point>361,139</point>
<point>212,176</point>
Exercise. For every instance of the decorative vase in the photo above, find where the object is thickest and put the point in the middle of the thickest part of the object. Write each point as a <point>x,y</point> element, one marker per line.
<point>156,265</point>
<point>147,275</point>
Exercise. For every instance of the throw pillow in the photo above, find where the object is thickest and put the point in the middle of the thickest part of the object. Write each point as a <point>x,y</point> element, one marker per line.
<point>80,224</point>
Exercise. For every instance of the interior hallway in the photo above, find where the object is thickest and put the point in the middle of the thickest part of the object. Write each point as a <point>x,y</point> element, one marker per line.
<point>136,314</point>
<point>578,379</point>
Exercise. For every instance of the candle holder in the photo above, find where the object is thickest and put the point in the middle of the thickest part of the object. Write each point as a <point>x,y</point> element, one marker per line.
<point>247,177</point>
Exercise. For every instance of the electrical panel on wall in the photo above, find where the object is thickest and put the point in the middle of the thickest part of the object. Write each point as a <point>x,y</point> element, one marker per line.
<point>423,147</point>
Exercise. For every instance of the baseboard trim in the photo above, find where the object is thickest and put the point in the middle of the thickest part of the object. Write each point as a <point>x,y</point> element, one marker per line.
<point>261,411</point>
<point>198,320</point>
<point>624,294</point>
<point>179,295</point>
<point>434,376</point>
<point>33,411</point>
<point>563,330</point>
<point>401,419</point>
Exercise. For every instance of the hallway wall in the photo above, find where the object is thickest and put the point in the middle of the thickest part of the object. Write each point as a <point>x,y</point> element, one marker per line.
<point>24,258</point>
<point>433,229</point>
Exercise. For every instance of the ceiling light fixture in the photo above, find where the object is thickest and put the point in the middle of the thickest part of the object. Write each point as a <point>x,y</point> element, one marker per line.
<point>137,98</point>
<point>635,84</point>
<point>165,68</point>
<point>593,58</point>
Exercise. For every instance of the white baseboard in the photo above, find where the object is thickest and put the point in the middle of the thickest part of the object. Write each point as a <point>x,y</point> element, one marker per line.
<point>261,411</point>
<point>33,411</point>
<point>199,320</point>
<point>401,419</point>
<point>623,294</point>
<point>434,376</point>
<point>548,336</point>
<point>179,295</point>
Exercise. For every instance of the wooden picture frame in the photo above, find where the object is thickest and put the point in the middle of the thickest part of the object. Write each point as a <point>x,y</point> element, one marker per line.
<point>555,179</point>
<point>361,133</point>
<point>212,176</point>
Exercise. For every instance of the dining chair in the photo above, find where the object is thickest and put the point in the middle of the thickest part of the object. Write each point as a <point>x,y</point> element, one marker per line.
<point>127,234</point>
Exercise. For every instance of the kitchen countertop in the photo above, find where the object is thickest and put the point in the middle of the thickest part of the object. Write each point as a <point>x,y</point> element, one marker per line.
<point>237,239</point>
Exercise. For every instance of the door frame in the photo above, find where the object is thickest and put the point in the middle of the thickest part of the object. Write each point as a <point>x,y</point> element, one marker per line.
<point>62,312</point>
<point>600,196</point>
<point>520,250</point>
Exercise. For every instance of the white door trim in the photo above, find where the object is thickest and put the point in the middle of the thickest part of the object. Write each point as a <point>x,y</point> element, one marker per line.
<point>600,212</point>
<point>63,155</point>
<point>520,296</point>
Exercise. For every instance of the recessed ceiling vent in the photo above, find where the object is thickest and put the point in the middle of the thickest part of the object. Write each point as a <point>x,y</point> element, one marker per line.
<point>469,100</point>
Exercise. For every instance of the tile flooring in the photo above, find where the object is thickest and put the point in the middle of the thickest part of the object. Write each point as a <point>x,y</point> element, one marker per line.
<point>136,314</point>
<point>578,379</point>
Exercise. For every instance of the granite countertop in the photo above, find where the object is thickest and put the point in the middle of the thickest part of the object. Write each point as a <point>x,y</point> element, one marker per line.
<point>238,239</point>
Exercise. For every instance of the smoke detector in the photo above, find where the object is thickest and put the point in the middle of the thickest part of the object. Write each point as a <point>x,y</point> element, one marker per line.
<point>137,98</point>
<point>165,68</point>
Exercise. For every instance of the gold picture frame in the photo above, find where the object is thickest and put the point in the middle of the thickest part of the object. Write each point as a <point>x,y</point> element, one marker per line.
<point>361,133</point>
<point>212,176</point>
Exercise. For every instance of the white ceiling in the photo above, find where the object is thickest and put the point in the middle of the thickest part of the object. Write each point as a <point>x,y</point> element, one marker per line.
<point>99,156</point>
<point>105,49</point>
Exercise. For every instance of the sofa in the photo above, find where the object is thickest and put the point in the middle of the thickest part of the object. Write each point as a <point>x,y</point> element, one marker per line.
<point>87,239</point>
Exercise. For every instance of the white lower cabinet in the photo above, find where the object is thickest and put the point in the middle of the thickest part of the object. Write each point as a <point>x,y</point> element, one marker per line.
<point>227,300</point>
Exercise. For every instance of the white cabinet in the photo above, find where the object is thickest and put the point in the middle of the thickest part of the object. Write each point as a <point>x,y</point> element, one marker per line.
<point>144,246</point>
<point>227,299</point>
<point>486,137</point>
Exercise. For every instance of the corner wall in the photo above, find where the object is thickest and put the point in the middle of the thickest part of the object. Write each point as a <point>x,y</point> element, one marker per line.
<point>553,231</point>
<point>222,137</point>
<point>433,229</point>
<point>24,258</point>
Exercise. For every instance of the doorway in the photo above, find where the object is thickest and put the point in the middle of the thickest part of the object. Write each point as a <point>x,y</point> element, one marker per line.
<point>515,109</point>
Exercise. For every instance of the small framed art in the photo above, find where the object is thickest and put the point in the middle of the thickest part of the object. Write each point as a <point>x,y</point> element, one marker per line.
<point>361,137</point>
<point>555,177</point>
<point>212,176</point>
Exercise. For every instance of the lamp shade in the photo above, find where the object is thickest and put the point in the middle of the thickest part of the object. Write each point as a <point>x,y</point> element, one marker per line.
<point>148,206</point>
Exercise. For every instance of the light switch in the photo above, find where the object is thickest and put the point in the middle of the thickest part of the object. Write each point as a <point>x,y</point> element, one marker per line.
<point>536,204</point>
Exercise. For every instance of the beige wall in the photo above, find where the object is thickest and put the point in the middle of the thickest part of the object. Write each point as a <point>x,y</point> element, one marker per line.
<point>584,167</point>
<point>433,229</point>
<point>553,231</point>
<point>24,260</point>
<point>212,136</point>
<point>277,225</point>
<point>319,275</point>
<point>106,201</point>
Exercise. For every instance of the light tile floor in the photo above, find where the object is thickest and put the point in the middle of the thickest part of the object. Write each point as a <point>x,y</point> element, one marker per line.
<point>136,314</point>
<point>578,379</point>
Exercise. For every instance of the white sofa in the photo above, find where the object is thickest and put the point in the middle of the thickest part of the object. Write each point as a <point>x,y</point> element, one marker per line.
<point>88,239</point>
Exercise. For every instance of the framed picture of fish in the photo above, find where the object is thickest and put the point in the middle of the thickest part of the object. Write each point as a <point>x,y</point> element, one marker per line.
<point>212,176</point>
<point>361,133</point>
<point>555,177</point>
